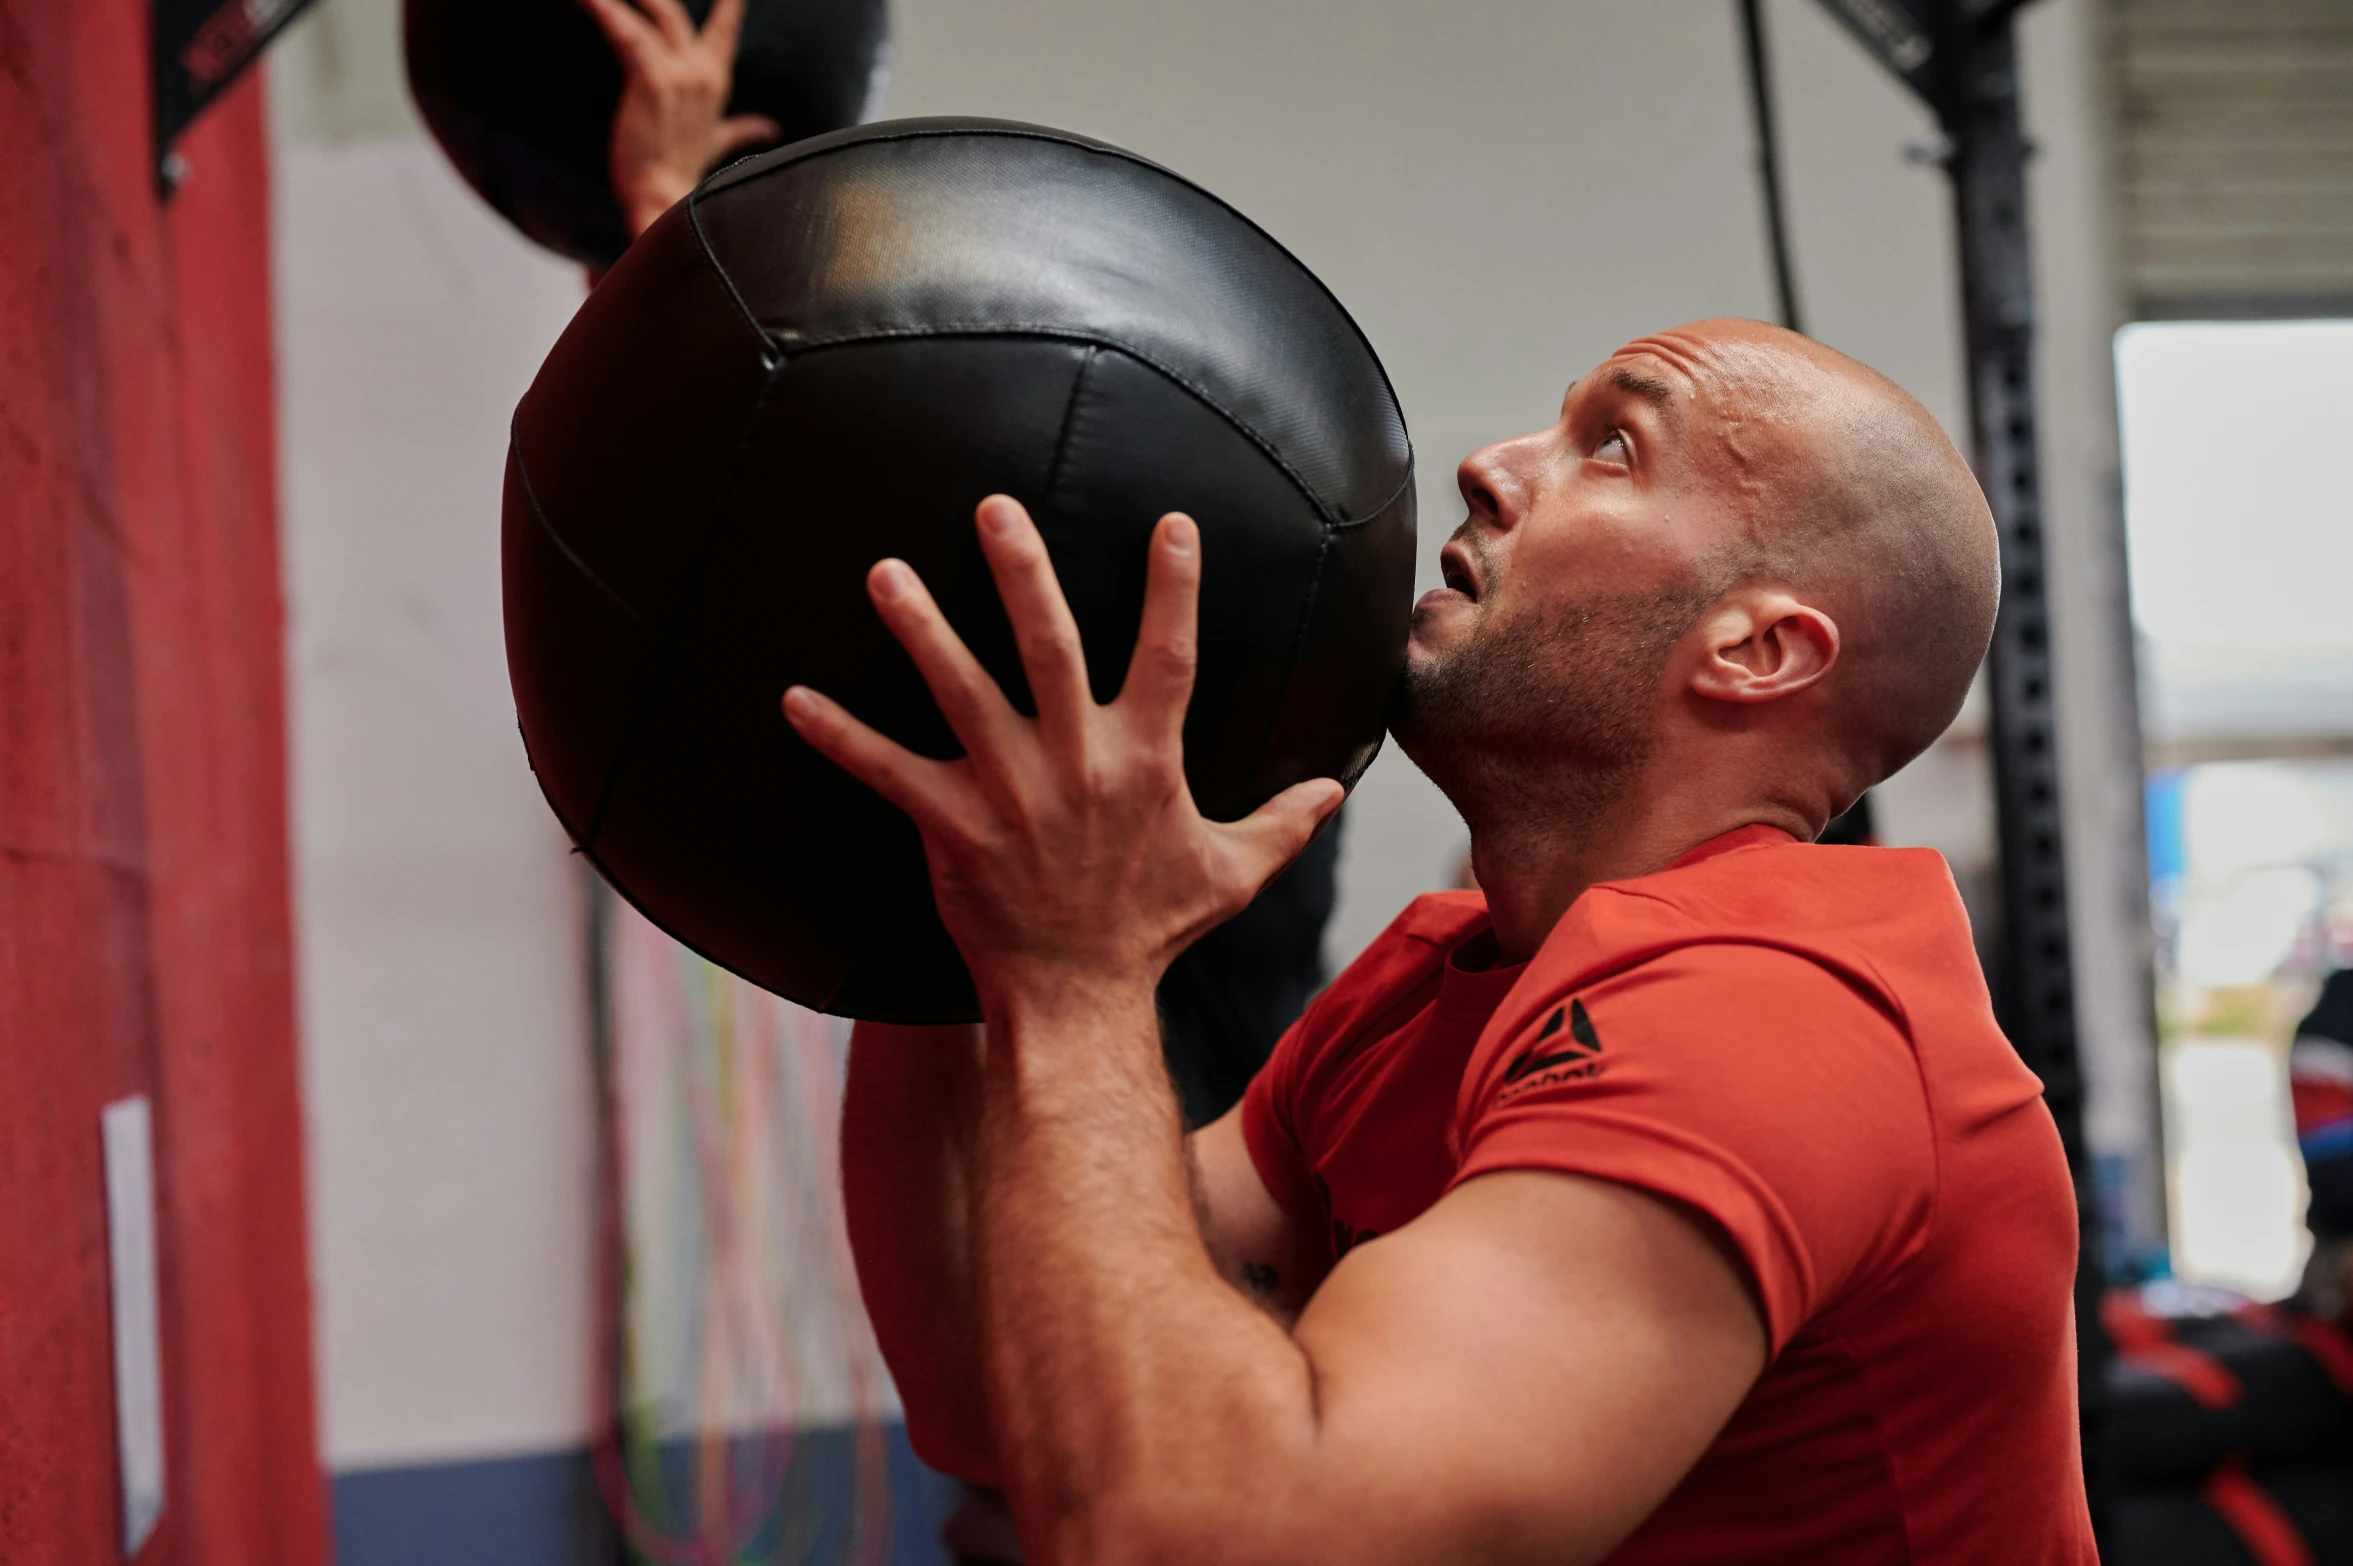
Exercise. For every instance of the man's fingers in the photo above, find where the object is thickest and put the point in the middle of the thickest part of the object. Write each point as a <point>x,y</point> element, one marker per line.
<point>1271,836</point>
<point>1051,654</point>
<point>916,784</point>
<point>1160,671</point>
<point>724,25</point>
<point>623,25</point>
<point>747,130</point>
<point>672,18</point>
<point>968,697</point>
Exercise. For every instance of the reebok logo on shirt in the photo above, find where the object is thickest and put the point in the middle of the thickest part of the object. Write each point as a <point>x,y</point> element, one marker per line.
<point>1551,1059</point>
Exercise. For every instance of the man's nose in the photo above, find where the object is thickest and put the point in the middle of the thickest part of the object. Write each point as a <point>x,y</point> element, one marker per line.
<point>1494,484</point>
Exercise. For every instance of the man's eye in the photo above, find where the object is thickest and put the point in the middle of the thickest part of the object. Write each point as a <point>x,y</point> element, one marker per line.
<point>1613,449</point>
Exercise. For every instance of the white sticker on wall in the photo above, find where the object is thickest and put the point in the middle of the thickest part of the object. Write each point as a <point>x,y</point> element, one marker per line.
<point>138,1362</point>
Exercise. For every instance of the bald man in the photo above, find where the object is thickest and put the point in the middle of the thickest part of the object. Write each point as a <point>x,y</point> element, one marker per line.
<point>1675,1199</point>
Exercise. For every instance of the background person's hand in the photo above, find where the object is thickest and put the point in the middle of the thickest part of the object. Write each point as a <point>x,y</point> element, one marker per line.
<point>670,128</point>
<point>1065,849</point>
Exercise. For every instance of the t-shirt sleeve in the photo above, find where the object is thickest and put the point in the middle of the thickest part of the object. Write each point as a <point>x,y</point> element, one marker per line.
<point>1747,1083</point>
<point>1271,1133</point>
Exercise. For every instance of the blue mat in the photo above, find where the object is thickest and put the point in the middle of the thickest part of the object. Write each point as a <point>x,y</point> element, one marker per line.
<point>543,1510</point>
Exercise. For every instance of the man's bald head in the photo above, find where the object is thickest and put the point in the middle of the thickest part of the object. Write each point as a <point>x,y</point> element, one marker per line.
<point>1696,480</point>
<point>1852,492</point>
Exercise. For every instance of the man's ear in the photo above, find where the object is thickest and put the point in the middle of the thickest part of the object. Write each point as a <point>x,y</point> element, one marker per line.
<point>1762,644</point>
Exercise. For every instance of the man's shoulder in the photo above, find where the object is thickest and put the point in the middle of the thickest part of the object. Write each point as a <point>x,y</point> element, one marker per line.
<point>1779,878</point>
<point>1867,935</point>
<point>1435,920</point>
<point>1381,992</point>
<point>1402,960</point>
<point>1414,946</point>
<point>1867,913</point>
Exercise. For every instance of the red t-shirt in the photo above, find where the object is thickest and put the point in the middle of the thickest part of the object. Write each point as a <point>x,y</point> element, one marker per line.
<point>1795,1041</point>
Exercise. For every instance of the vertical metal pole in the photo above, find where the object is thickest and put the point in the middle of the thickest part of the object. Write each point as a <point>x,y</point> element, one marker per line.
<point>2033,988</point>
<point>1760,100</point>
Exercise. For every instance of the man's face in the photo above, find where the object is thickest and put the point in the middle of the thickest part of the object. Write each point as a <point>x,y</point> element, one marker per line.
<point>1588,551</point>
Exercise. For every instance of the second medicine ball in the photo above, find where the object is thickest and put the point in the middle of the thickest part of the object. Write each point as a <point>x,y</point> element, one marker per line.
<point>830,354</point>
<point>520,94</point>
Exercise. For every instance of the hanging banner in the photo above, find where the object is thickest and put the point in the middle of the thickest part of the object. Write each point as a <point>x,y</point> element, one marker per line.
<point>200,46</point>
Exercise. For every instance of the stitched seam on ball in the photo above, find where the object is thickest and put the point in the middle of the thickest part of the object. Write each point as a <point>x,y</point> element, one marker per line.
<point>1001,131</point>
<point>613,883</point>
<point>770,353</point>
<point>676,630</point>
<point>1058,333</point>
<point>546,793</point>
<point>539,514</point>
<point>1078,390</point>
<point>1084,144</point>
<point>1382,509</point>
<point>1315,587</point>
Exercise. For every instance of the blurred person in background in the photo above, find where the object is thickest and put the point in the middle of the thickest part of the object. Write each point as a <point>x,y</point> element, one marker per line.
<point>671,126</point>
<point>2320,1080</point>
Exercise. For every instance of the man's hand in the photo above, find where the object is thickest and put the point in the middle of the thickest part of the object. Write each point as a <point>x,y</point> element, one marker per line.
<point>1065,849</point>
<point>668,131</point>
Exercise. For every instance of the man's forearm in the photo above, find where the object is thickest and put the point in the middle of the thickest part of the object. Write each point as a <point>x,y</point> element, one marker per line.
<point>908,1115</point>
<point>1132,1390</point>
<point>1068,859</point>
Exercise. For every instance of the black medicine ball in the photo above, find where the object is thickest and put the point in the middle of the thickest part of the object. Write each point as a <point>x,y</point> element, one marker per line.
<point>830,355</point>
<point>520,94</point>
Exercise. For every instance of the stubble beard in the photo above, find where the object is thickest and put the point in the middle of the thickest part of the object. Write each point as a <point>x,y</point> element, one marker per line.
<point>1545,720</point>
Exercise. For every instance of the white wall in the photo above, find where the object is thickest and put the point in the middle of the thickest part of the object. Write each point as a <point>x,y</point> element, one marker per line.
<point>443,1001</point>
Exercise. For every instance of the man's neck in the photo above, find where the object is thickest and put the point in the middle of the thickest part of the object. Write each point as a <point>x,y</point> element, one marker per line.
<point>1532,870</point>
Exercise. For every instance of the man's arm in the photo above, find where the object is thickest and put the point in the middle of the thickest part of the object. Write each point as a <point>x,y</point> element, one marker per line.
<point>1522,1374</point>
<point>909,1113</point>
<point>1276,1260</point>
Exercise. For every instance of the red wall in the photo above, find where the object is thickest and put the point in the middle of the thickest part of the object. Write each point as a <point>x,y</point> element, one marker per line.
<point>144,930</point>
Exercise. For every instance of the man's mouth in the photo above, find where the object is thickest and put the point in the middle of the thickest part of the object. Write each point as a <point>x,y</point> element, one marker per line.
<point>1454,568</point>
